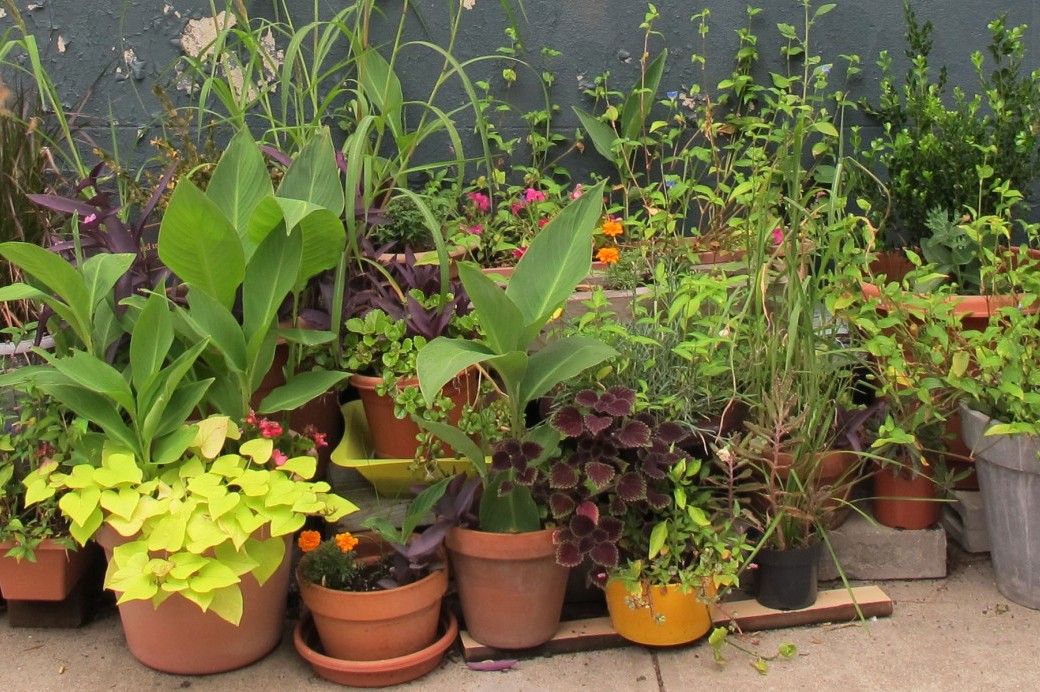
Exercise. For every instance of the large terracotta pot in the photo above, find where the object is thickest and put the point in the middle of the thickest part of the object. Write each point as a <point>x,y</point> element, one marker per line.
<point>903,500</point>
<point>51,578</point>
<point>659,616</point>
<point>178,637</point>
<point>510,586</point>
<point>376,625</point>
<point>394,438</point>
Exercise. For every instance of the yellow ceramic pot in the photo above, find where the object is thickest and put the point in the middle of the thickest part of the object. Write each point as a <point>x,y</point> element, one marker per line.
<point>659,616</point>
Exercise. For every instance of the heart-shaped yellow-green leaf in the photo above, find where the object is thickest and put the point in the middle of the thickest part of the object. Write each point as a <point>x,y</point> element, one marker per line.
<point>227,603</point>
<point>121,503</point>
<point>248,523</point>
<point>303,466</point>
<point>254,482</point>
<point>82,476</point>
<point>211,435</point>
<point>168,534</point>
<point>186,564</point>
<point>118,468</point>
<point>207,485</point>
<point>228,465</point>
<point>37,489</point>
<point>214,575</point>
<point>83,533</point>
<point>238,560</point>
<point>282,491</point>
<point>285,521</point>
<point>79,505</point>
<point>259,450</point>
<point>204,533</point>
<point>202,600</point>
<point>222,504</point>
<point>268,555</point>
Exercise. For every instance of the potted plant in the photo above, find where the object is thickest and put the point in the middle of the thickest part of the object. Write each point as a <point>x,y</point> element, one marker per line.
<point>629,499</point>
<point>497,564</point>
<point>39,561</point>
<point>999,415</point>
<point>395,313</point>
<point>375,600</point>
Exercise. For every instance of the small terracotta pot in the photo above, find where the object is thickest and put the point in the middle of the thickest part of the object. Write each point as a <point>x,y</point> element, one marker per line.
<point>50,578</point>
<point>834,468</point>
<point>394,438</point>
<point>510,586</point>
<point>178,637</point>
<point>660,616</point>
<point>905,501</point>
<point>376,625</point>
<point>394,671</point>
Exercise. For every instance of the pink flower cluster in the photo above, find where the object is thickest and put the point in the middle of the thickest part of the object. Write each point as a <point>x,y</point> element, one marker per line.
<point>481,201</point>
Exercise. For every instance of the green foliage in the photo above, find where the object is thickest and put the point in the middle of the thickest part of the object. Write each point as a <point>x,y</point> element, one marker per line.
<point>197,524</point>
<point>935,152</point>
<point>240,237</point>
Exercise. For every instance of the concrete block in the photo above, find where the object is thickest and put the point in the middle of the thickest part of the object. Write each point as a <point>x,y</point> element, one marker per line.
<point>869,551</point>
<point>965,521</point>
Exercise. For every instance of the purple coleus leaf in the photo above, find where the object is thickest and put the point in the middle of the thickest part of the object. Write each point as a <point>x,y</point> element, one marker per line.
<point>568,555</point>
<point>586,398</point>
<point>527,476</point>
<point>581,525</point>
<point>561,506</point>
<point>605,554</point>
<point>618,401</point>
<point>588,509</point>
<point>568,421</point>
<point>631,487</point>
<point>563,476</point>
<point>671,433</point>
<point>599,473</point>
<point>657,500</point>
<point>612,528</point>
<point>633,434</point>
<point>597,424</point>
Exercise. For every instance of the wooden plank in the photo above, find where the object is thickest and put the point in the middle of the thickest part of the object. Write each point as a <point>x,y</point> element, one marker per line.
<point>593,634</point>
<point>835,605</point>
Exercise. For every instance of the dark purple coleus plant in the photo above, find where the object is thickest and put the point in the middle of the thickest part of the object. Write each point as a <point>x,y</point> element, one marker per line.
<point>613,467</point>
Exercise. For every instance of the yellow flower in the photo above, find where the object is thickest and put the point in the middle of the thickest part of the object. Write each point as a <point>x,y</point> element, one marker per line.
<point>612,228</point>
<point>610,255</point>
<point>346,542</point>
<point>308,540</point>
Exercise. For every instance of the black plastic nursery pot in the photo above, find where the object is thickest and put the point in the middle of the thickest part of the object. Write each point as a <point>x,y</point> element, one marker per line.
<point>788,579</point>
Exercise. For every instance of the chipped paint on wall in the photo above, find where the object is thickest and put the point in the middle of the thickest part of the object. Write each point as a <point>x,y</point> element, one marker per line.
<point>197,41</point>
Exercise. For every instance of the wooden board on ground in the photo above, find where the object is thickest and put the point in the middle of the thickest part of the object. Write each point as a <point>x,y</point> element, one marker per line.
<point>593,634</point>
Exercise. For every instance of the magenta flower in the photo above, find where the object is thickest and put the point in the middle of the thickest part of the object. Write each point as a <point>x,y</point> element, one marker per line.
<point>279,457</point>
<point>90,218</point>
<point>577,191</point>
<point>778,235</point>
<point>518,207</point>
<point>270,429</point>
<point>542,223</point>
<point>519,252</point>
<point>481,201</point>
<point>476,229</point>
<point>532,195</point>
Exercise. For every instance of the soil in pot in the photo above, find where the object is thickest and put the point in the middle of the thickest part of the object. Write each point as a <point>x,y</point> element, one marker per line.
<point>903,500</point>
<point>658,616</point>
<point>788,579</point>
<point>510,586</point>
<point>394,438</point>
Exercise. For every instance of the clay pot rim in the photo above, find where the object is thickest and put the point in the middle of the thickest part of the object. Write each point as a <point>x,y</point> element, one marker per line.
<point>518,547</point>
<point>963,305</point>
<point>440,574</point>
<point>304,632</point>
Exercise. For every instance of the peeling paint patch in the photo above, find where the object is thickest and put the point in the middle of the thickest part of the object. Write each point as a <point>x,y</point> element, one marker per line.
<point>62,46</point>
<point>3,13</point>
<point>197,41</point>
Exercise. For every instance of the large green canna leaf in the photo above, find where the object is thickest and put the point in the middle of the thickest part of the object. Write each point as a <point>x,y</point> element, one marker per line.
<point>324,237</point>
<point>501,320</point>
<point>314,176</point>
<point>600,133</point>
<point>642,98</point>
<point>383,89</point>
<point>442,359</point>
<point>59,277</point>
<point>97,376</point>
<point>200,245</point>
<point>300,389</point>
<point>151,341</point>
<point>207,318</point>
<point>240,180</point>
<point>270,277</point>
<point>101,273</point>
<point>560,361</point>
<point>558,259</point>
<point>97,409</point>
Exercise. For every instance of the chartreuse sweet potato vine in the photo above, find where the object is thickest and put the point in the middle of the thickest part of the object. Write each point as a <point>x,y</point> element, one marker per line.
<point>197,527</point>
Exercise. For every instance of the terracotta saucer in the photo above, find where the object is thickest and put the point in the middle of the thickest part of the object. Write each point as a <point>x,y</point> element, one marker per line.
<point>392,671</point>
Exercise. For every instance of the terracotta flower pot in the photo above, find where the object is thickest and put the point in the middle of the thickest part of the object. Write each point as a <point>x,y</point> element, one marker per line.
<point>394,671</point>
<point>835,469</point>
<point>376,625</point>
<point>394,438</point>
<point>178,637</point>
<point>50,578</point>
<point>510,586</point>
<point>905,501</point>
<point>660,616</point>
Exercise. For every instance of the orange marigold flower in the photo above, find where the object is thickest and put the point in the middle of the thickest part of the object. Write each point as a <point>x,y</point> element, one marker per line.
<point>308,540</point>
<point>346,542</point>
<point>610,255</point>
<point>612,228</point>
